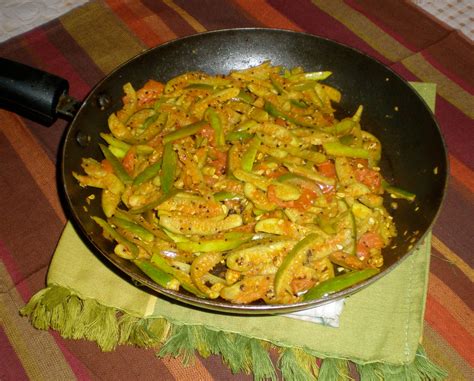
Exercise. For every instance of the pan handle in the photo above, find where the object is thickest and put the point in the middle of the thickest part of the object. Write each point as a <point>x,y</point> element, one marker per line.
<point>34,94</point>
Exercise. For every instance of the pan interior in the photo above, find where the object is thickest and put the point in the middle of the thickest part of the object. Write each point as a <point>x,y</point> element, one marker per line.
<point>414,155</point>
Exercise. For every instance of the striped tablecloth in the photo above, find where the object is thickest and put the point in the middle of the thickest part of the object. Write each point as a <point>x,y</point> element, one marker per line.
<point>88,42</point>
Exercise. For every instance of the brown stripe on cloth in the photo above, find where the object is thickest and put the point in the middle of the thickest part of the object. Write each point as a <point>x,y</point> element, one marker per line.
<point>150,28</point>
<point>14,370</point>
<point>445,356</point>
<point>454,57</point>
<point>266,14</point>
<point>402,20</point>
<point>304,13</point>
<point>83,64</point>
<point>457,211</point>
<point>461,173</point>
<point>217,14</point>
<point>34,158</point>
<point>441,292</point>
<point>441,318</point>
<point>452,276</point>
<point>455,125</point>
<point>193,22</point>
<point>108,42</point>
<point>365,29</point>
<point>173,19</point>
<point>28,343</point>
<point>126,362</point>
<point>451,257</point>
<point>24,212</point>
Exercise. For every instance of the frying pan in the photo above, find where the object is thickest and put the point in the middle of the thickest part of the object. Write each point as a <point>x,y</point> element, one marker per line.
<point>414,154</point>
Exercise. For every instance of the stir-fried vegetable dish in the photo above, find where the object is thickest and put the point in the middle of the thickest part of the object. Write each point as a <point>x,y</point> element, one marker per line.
<point>243,186</point>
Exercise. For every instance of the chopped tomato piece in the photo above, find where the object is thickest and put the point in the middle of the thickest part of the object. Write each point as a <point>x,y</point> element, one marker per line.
<point>306,199</point>
<point>276,173</point>
<point>208,132</point>
<point>128,161</point>
<point>302,203</point>
<point>280,122</point>
<point>272,197</point>
<point>149,92</point>
<point>368,241</point>
<point>220,162</point>
<point>327,169</point>
<point>369,177</point>
<point>107,166</point>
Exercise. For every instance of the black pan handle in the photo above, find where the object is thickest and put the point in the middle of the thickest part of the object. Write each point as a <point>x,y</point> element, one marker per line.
<point>34,94</point>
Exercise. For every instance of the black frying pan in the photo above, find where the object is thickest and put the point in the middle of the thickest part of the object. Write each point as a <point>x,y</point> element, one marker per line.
<point>414,155</point>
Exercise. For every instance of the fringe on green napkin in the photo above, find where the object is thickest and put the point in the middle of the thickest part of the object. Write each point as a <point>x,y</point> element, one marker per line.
<point>380,328</point>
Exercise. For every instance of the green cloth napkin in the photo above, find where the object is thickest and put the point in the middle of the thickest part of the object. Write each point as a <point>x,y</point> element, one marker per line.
<point>380,328</point>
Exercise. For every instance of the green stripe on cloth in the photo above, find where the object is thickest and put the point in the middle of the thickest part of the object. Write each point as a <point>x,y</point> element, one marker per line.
<point>380,328</point>
<point>108,42</point>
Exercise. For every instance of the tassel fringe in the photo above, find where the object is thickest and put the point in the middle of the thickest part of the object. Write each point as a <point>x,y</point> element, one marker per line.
<point>60,309</point>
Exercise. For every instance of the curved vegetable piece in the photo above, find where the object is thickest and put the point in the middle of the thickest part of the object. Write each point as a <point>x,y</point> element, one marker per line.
<point>133,228</point>
<point>347,261</point>
<point>191,204</point>
<point>117,166</point>
<point>199,225</point>
<point>282,227</point>
<point>310,174</point>
<point>200,106</point>
<point>168,169</point>
<point>313,76</point>
<point>247,290</point>
<point>216,124</point>
<point>147,174</point>
<point>214,245</point>
<point>258,198</point>
<point>339,149</point>
<point>248,158</point>
<point>190,129</point>
<point>200,267</point>
<point>276,113</point>
<point>116,235</point>
<point>130,102</point>
<point>274,135</point>
<point>119,130</point>
<point>339,283</point>
<point>155,203</point>
<point>396,192</point>
<point>156,275</point>
<point>183,278</point>
<point>246,258</point>
<point>256,180</point>
<point>293,260</point>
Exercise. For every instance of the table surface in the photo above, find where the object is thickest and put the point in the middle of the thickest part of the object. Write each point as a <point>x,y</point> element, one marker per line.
<point>407,38</point>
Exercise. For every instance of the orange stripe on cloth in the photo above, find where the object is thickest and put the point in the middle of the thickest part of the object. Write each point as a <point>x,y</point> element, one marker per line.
<point>461,172</point>
<point>448,298</point>
<point>365,29</point>
<point>195,24</point>
<point>29,343</point>
<point>442,320</point>
<point>146,24</point>
<point>442,354</point>
<point>266,14</point>
<point>134,14</point>
<point>36,160</point>
<point>195,372</point>
<point>452,257</point>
